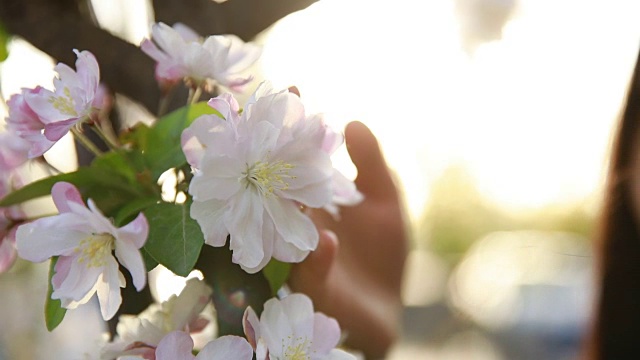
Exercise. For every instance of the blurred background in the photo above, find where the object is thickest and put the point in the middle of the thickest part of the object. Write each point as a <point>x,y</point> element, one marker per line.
<point>496,117</point>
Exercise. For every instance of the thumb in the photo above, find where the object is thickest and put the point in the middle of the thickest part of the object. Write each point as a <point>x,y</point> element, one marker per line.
<point>374,178</point>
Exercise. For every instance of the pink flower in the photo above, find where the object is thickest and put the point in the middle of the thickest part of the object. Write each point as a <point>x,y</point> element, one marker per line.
<point>14,151</point>
<point>84,240</point>
<point>178,345</point>
<point>9,218</point>
<point>42,117</point>
<point>289,329</point>
<point>7,240</point>
<point>26,124</point>
<point>181,54</point>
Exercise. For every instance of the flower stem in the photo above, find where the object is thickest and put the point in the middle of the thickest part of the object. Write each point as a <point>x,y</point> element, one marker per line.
<point>104,136</point>
<point>194,95</point>
<point>86,142</point>
<point>165,99</point>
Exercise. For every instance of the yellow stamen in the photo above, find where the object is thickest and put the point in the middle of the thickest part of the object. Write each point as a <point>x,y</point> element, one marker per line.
<point>95,249</point>
<point>298,350</point>
<point>64,104</point>
<point>269,176</point>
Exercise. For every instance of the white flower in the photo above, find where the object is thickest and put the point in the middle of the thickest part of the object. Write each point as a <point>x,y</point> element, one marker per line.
<point>181,54</point>
<point>288,329</point>
<point>139,335</point>
<point>252,173</point>
<point>76,96</point>
<point>178,345</point>
<point>84,239</point>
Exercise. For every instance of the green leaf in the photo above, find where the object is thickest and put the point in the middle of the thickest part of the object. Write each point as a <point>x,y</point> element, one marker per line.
<point>112,181</point>
<point>131,209</point>
<point>149,262</point>
<point>53,310</point>
<point>161,144</point>
<point>276,272</point>
<point>175,239</point>
<point>82,178</point>
<point>4,41</point>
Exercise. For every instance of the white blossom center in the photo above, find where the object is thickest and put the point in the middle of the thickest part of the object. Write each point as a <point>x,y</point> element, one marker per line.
<point>298,349</point>
<point>95,249</point>
<point>269,176</point>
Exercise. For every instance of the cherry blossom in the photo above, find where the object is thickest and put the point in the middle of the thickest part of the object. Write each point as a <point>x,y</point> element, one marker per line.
<point>141,334</point>
<point>289,329</point>
<point>14,151</point>
<point>10,217</point>
<point>84,240</point>
<point>42,117</point>
<point>181,54</point>
<point>178,345</point>
<point>26,124</point>
<point>252,172</point>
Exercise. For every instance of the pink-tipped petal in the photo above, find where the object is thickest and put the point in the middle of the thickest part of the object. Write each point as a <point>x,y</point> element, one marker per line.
<point>62,193</point>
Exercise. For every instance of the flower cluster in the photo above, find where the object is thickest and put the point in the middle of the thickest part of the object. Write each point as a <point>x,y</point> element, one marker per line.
<point>247,175</point>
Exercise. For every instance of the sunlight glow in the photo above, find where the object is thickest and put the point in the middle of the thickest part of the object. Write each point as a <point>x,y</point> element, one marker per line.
<point>529,115</point>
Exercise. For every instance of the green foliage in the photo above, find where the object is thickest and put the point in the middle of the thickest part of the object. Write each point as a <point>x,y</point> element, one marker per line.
<point>109,188</point>
<point>160,144</point>
<point>4,41</point>
<point>458,214</point>
<point>175,239</point>
<point>53,310</point>
<point>276,273</point>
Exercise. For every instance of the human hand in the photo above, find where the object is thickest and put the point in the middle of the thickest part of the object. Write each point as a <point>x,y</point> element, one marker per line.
<point>356,277</point>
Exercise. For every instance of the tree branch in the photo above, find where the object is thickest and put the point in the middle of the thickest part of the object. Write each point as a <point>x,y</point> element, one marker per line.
<point>245,18</point>
<point>57,27</point>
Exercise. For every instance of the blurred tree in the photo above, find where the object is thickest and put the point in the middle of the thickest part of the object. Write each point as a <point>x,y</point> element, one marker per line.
<point>458,214</point>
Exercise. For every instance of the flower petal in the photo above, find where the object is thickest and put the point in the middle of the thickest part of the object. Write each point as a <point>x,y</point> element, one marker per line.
<point>295,227</point>
<point>79,282</point>
<point>63,193</point>
<point>227,348</point>
<point>222,179</point>
<point>210,215</point>
<point>251,326</point>
<point>177,345</point>
<point>129,256</point>
<point>326,333</point>
<point>46,237</point>
<point>135,232</point>
<point>109,289</point>
<point>245,227</point>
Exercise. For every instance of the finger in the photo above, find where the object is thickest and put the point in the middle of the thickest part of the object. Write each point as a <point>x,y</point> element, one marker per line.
<point>374,178</point>
<point>315,268</point>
